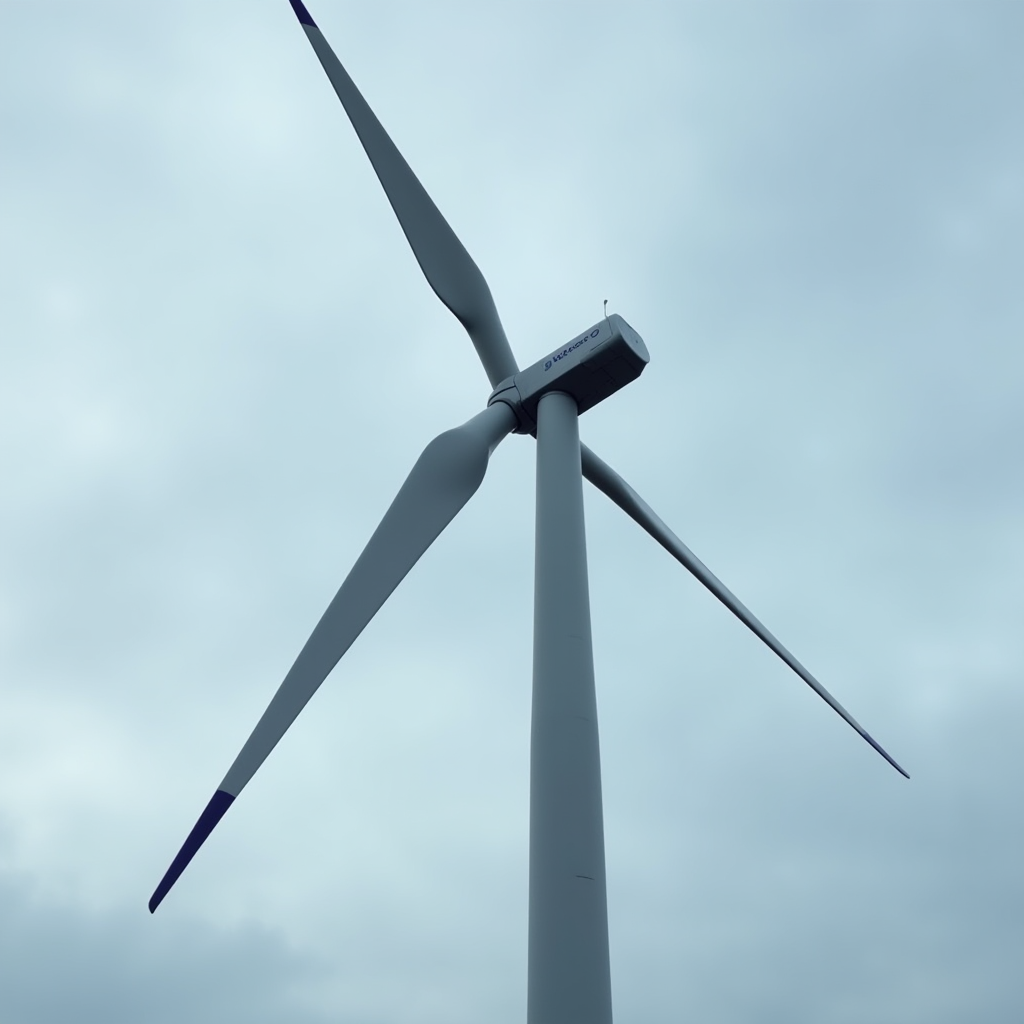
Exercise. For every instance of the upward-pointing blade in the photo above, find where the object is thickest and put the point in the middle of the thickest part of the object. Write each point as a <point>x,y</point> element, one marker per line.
<point>602,476</point>
<point>444,478</point>
<point>447,266</point>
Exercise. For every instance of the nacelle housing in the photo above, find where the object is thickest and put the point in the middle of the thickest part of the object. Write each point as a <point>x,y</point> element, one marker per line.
<point>594,365</point>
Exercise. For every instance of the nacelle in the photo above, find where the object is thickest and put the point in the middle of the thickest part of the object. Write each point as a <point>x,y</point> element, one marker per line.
<point>591,367</point>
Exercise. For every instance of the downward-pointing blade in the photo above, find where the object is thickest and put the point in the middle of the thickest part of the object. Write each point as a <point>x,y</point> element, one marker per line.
<point>447,266</point>
<point>444,478</point>
<point>602,476</point>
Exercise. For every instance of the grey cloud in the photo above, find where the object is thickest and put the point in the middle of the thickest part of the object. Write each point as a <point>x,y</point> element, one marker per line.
<point>62,962</point>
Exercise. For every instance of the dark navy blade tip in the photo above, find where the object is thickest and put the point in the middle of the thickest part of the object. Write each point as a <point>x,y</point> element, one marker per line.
<point>301,13</point>
<point>215,810</point>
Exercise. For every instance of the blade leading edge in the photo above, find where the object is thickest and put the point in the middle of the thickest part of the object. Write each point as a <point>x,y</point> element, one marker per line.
<point>448,268</point>
<point>444,478</point>
<point>602,476</point>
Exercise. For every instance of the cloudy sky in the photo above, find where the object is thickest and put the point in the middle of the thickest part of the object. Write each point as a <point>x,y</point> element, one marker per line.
<point>218,361</point>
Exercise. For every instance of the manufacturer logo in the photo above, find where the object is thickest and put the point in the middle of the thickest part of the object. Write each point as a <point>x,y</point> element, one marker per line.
<point>548,363</point>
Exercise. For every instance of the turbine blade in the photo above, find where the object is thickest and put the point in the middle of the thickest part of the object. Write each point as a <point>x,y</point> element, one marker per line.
<point>447,266</point>
<point>602,476</point>
<point>444,478</point>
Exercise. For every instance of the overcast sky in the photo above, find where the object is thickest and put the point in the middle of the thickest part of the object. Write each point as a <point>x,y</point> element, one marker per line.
<point>218,361</point>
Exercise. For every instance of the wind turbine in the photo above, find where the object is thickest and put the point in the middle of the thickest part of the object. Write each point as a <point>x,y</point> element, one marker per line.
<point>568,964</point>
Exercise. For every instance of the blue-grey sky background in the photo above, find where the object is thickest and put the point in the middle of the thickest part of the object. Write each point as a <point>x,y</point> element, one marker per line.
<point>218,360</point>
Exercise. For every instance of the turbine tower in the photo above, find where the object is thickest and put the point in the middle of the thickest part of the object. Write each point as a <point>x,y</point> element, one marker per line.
<point>569,977</point>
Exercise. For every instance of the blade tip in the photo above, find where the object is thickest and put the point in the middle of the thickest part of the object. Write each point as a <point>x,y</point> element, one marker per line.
<point>881,750</point>
<point>214,811</point>
<point>301,13</point>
